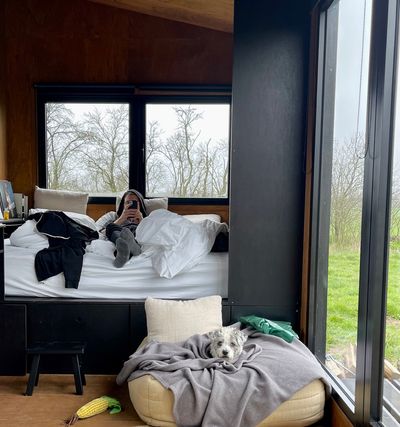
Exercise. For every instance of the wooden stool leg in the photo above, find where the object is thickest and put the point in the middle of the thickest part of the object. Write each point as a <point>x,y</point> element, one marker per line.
<point>77,374</point>
<point>33,375</point>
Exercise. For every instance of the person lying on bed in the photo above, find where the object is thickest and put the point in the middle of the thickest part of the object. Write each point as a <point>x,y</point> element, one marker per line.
<point>120,227</point>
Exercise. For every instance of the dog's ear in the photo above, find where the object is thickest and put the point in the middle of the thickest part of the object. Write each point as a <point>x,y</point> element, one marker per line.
<point>214,334</point>
<point>240,337</point>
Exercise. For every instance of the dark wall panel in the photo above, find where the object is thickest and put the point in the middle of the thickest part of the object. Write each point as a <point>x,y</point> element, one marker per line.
<point>268,141</point>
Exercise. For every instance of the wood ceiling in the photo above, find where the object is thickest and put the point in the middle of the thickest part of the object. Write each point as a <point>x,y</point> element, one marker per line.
<point>214,14</point>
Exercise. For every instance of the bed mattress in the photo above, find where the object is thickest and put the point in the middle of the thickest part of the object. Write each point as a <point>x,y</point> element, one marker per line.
<point>100,279</point>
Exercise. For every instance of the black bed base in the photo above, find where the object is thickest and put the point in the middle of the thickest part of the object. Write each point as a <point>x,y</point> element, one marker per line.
<point>110,330</point>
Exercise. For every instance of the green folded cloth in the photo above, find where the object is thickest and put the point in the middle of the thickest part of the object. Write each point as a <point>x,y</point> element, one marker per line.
<point>278,328</point>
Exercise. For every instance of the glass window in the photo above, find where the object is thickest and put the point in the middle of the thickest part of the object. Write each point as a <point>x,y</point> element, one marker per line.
<point>168,141</point>
<point>349,146</point>
<point>391,381</point>
<point>187,150</point>
<point>355,231</point>
<point>87,147</point>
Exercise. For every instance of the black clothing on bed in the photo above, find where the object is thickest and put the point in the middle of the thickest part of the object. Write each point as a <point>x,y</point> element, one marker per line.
<point>67,242</point>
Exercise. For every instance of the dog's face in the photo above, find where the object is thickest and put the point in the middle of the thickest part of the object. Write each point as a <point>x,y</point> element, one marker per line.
<point>226,343</point>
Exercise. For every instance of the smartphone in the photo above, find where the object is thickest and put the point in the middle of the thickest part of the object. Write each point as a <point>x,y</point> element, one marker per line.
<point>134,204</point>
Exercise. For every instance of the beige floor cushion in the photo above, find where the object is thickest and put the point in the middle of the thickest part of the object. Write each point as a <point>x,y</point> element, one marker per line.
<point>153,403</point>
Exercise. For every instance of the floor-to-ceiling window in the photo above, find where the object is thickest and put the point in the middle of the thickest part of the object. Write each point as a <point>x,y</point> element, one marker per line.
<point>355,263</point>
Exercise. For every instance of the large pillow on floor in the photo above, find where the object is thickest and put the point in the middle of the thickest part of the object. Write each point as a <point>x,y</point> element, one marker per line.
<point>154,405</point>
<point>173,321</point>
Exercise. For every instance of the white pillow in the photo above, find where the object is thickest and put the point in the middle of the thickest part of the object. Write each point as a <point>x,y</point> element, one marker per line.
<point>173,321</point>
<point>150,204</point>
<point>202,217</point>
<point>26,236</point>
<point>158,203</point>
<point>78,217</point>
<point>71,201</point>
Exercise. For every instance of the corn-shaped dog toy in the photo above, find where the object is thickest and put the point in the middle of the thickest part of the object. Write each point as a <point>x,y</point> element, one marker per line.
<point>94,407</point>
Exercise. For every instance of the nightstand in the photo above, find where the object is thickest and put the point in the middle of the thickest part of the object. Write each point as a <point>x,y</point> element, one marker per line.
<point>11,225</point>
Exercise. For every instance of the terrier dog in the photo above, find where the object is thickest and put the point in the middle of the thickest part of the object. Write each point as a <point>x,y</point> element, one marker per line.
<point>226,343</point>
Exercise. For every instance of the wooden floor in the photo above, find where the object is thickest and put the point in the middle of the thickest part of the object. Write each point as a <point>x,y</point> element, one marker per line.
<point>54,400</point>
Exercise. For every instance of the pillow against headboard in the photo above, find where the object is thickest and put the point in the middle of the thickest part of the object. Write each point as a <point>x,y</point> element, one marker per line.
<point>151,204</point>
<point>201,217</point>
<point>71,201</point>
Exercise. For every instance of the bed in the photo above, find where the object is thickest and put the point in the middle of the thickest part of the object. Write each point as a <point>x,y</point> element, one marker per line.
<point>99,279</point>
<point>106,311</point>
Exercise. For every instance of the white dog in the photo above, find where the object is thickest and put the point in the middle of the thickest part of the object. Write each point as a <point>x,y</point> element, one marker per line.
<point>226,343</point>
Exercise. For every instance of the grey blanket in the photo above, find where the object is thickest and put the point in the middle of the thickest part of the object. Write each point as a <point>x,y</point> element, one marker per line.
<point>213,392</point>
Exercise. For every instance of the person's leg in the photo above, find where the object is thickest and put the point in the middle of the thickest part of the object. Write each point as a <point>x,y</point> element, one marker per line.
<point>123,253</point>
<point>133,245</point>
<point>113,232</point>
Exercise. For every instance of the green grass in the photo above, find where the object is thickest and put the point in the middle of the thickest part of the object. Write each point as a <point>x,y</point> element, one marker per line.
<point>343,282</point>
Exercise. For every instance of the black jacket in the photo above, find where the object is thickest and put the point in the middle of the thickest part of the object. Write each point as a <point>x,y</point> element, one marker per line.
<point>67,242</point>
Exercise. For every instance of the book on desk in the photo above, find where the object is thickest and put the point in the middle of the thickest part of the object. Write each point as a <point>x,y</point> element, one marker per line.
<point>13,206</point>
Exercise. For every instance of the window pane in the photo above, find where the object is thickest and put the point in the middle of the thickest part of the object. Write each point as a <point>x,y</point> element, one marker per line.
<point>392,345</point>
<point>349,147</point>
<point>87,147</point>
<point>187,150</point>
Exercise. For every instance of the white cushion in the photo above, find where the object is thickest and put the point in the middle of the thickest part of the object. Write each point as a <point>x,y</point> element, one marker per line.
<point>202,217</point>
<point>71,201</point>
<point>173,321</point>
<point>154,204</point>
<point>150,204</point>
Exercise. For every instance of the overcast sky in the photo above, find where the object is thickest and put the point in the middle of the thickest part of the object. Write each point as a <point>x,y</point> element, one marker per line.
<point>352,68</point>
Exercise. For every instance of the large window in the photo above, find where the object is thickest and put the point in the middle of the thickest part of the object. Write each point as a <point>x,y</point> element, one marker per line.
<point>354,278</point>
<point>105,139</point>
<point>87,147</point>
<point>187,148</point>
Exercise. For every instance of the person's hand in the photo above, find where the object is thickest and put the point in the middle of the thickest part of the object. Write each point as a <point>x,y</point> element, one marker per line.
<point>137,216</point>
<point>132,215</point>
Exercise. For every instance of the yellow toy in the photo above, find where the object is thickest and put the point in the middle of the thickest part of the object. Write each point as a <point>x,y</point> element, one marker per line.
<point>94,407</point>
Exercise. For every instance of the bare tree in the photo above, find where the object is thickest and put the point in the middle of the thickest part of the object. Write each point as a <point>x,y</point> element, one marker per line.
<point>106,152</point>
<point>180,154</point>
<point>183,165</point>
<point>155,169</point>
<point>63,140</point>
<point>346,196</point>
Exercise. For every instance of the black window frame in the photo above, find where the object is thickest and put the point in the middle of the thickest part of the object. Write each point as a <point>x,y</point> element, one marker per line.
<point>366,408</point>
<point>137,96</point>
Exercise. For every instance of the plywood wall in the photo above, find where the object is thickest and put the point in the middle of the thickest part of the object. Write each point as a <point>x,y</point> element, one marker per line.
<point>77,41</point>
<point>3,146</point>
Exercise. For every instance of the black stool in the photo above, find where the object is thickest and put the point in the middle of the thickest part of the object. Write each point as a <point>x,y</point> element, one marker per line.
<point>75,350</point>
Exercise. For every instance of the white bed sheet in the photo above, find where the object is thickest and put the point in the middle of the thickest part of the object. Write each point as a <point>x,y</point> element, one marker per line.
<point>99,279</point>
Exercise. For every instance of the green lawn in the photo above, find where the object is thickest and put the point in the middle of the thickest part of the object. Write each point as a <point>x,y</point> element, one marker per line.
<point>343,303</point>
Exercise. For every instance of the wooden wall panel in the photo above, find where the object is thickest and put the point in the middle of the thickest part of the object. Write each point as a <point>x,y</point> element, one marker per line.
<point>77,41</point>
<point>3,140</point>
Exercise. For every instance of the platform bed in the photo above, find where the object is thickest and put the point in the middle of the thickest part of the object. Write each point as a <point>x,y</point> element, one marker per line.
<point>111,327</point>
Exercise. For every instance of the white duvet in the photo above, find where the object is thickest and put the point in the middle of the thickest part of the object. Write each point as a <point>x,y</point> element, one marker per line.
<point>173,243</point>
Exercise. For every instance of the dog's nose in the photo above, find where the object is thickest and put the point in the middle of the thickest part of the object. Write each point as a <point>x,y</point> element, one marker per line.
<point>225,352</point>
